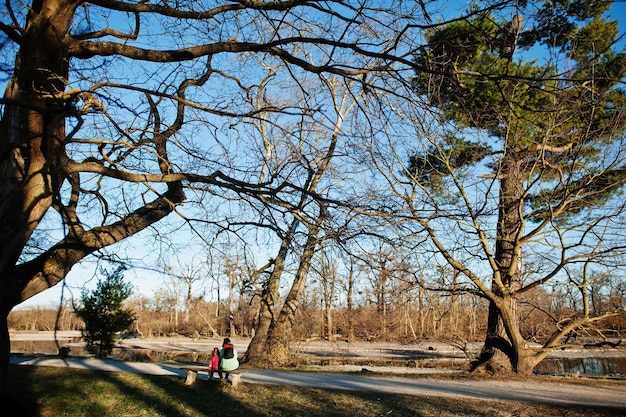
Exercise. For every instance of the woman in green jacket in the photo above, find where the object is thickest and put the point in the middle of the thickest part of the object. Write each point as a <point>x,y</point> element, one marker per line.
<point>228,358</point>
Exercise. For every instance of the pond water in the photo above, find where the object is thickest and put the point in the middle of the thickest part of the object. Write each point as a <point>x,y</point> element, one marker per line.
<point>120,353</point>
<point>610,366</point>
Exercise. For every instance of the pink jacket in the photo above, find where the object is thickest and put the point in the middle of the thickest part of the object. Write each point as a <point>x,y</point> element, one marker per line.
<point>214,364</point>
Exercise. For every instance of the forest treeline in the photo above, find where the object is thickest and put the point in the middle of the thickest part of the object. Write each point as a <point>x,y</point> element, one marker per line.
<point>401,316</point>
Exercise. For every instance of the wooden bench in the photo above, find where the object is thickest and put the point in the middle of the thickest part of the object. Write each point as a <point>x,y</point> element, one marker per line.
<point>192,374</point>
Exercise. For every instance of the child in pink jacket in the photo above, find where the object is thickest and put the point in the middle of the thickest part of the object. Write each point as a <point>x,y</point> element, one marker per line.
<point>214,364</point>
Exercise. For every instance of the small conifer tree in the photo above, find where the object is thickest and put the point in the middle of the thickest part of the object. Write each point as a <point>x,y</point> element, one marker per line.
<point>103,313</point>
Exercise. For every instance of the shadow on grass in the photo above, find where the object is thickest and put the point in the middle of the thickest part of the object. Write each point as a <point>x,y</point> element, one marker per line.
<point>46,391</point>
<point>39,391</point>
<point>20,400</point>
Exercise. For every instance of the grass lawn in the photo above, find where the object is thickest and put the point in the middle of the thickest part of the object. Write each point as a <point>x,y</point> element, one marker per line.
<point>59,392</point>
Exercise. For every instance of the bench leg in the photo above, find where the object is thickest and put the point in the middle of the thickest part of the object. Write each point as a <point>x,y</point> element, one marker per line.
<point>191,377</point>
<point>234,379</point>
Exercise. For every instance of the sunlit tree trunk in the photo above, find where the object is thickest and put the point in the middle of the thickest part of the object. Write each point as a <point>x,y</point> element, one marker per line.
<point>350,301</point>
<point>279,339</point>
<point>33,136</point>
<point>231,303</point>
<point>267,336</point>
<point>329,285</point>
<point>502,342</point>
<point>267,308</point>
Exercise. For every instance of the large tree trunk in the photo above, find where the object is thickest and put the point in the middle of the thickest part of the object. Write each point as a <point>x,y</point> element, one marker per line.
<point>503,340</point>
<point>32,130</point>
<point>5,353</point>
<point>278,340</point>
<point>32,134</point>
<point>267,310</point>
<point>34,167</point>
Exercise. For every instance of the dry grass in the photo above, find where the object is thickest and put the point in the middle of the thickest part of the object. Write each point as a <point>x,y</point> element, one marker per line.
<point>56,392</point>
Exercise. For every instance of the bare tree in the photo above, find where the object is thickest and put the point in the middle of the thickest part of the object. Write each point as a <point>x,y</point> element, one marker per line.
<point>328,271</point>
<point>240,278</point>
<point>187,286</point>
<point>276,321</point>
<point>350,283</point>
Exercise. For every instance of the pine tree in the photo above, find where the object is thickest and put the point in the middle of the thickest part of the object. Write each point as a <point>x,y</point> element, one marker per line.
<point>555,128</point>
<point>103,313</point>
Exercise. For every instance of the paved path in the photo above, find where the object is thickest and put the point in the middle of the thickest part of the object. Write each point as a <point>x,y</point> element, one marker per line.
<point>613,396</point>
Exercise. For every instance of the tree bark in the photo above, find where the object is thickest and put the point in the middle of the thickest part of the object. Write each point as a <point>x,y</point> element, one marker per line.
<point>502,341</point>
<point>32,133</point>
<point>267,310</point>
<point>35,166</point>
<point>5,352</point>
<point>279,338</point>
